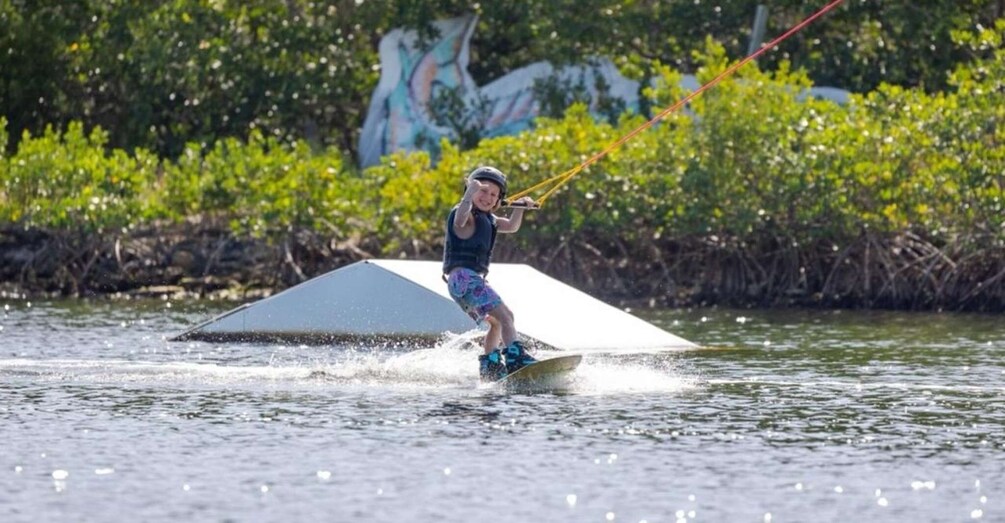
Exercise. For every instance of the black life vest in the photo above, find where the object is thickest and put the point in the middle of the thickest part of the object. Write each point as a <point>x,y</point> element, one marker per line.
<point>474,253</point>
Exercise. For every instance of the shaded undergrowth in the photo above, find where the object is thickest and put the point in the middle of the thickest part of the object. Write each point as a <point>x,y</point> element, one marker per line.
<point>208,260</point>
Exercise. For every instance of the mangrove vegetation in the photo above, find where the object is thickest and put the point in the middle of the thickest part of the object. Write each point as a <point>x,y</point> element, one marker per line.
<point>207,148</point>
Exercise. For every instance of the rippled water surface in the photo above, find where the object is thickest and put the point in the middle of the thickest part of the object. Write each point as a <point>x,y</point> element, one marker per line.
<point>782,416</point>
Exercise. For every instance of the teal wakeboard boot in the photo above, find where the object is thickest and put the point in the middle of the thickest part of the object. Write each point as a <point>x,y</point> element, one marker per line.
<point>491,366</point>
<point>517,357</point>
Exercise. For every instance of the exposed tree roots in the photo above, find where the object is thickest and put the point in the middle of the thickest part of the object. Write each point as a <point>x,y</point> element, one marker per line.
<point>902,271</point>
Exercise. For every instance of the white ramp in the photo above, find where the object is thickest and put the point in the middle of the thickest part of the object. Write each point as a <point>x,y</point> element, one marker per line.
<point>402,299</point>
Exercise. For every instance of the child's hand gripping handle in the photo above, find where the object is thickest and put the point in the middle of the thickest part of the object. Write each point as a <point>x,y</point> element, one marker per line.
<point>522,203</point>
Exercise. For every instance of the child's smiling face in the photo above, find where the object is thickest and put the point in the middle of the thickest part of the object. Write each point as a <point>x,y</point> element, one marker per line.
<point>487,196</point>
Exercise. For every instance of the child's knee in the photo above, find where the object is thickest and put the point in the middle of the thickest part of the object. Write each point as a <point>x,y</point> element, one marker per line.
<point>504,314</point>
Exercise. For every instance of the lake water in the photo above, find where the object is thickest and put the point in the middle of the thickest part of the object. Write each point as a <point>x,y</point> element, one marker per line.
<point>783,416</point>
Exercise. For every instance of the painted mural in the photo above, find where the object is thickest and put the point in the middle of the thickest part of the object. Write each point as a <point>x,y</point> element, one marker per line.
<point>414,76</point>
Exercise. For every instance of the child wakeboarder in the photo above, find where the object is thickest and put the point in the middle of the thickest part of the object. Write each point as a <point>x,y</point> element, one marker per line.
<point>470,235</point>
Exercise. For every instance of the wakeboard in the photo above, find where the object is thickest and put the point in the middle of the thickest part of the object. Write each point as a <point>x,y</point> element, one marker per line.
<point>543,370</point>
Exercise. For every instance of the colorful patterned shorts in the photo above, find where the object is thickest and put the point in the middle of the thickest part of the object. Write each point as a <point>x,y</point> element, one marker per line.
<point>472,293</point>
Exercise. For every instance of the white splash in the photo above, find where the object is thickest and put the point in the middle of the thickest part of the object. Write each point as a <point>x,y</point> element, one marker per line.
<point>614,377</point>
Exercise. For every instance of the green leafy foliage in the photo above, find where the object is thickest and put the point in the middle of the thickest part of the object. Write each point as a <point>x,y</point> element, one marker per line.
<point>753,157</point>
<point>750,158</point>
<point>161,75</point>
<point>67,180</point>
<point>265,187</point>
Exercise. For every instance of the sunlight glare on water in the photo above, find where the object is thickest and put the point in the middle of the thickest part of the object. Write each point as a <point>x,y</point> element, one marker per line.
<point>783,416</point>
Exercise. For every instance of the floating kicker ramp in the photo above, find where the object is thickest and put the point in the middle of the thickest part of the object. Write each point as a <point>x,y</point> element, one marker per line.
<point>404,300</point>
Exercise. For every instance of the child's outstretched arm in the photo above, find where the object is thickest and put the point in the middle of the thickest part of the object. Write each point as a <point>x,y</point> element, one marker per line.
<point>512,224</point>
<point>463,225</point>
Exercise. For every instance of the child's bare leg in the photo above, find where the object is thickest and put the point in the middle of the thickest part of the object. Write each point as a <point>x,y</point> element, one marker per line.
<point>507,326</point>
<point>494,334</point>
